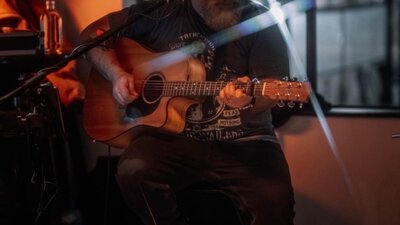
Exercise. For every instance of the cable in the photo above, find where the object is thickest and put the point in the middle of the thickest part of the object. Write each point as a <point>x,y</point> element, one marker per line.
<point>43,205</point>
<point>107,192</point>
<point>148,206</point>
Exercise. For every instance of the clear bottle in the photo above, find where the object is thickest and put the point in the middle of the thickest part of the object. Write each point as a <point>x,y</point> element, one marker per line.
<point>51,25</point>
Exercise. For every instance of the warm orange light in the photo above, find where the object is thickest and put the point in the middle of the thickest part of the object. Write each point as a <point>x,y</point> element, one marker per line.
<point>85,12</point>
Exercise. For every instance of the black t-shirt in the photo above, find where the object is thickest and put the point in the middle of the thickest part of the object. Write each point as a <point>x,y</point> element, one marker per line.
<point>259,55</point>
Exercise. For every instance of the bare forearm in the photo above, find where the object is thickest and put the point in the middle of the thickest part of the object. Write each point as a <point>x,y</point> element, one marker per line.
<point>106,62</point>
<point>103,58</point>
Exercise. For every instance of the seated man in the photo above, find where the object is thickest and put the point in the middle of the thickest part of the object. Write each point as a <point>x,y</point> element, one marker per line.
<point>227,140</point>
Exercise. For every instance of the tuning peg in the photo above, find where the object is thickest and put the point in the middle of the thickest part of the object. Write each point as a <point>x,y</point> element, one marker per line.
<point>256,81</point>
<point>294,79</point>
<point>291,104</point>
<point>301,105</point>
<point>280,104</point>
<point>285,78</point>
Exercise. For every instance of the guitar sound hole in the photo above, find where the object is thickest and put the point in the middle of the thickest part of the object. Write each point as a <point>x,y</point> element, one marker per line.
<point>153,88</point>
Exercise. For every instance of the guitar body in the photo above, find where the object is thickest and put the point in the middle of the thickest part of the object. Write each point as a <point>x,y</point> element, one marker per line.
<point>106,121</point>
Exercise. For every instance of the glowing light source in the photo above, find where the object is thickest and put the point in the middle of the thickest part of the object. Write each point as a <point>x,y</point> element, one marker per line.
<point>276,11</point>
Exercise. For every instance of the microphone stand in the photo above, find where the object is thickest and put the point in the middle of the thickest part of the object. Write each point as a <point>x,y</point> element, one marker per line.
<point>34,81</point>
<point>79,51</point>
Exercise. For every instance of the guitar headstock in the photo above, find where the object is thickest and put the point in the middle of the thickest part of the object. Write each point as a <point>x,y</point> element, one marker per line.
<point>285,92</point>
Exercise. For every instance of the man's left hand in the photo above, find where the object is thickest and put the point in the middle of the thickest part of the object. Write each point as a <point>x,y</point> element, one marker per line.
<point>235,97</point>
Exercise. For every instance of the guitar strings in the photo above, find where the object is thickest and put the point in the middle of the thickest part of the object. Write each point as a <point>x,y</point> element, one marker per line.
<point>210,83</point>
<point>279,90</point>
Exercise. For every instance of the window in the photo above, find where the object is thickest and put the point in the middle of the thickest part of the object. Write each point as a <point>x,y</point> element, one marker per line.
<point>357,53</point>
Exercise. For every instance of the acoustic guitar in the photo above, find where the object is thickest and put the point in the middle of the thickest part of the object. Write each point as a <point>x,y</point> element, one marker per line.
<point>166,92</point>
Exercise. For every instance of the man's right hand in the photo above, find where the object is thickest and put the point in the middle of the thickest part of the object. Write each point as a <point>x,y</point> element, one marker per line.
<point>124,89</point>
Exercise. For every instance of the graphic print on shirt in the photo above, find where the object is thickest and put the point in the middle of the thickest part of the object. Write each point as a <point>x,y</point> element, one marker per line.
<point>212,119</point>
<point>207,56</point>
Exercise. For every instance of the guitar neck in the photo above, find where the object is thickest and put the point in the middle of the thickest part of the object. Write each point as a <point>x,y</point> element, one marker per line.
<point>274,89</point>
<point>206,88</point>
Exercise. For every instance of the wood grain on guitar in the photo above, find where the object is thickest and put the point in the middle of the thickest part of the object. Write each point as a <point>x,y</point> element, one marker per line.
<point>165,95</point>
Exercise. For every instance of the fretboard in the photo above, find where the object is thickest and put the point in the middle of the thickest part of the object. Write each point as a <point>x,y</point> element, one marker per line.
<point>196,88</point>
<point>274,89</point>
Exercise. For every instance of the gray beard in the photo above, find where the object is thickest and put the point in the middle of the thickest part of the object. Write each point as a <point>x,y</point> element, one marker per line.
<point>218,19</point>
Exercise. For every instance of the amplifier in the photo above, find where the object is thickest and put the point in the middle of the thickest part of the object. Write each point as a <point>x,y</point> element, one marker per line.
<point>21,52</point>
<point>21,43</point>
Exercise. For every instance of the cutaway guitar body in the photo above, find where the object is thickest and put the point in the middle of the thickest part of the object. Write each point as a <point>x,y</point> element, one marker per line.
<point>106,121</point>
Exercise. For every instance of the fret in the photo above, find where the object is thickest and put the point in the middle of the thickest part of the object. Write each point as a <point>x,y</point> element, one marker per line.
<point>189,88</point>
<point>200,87</point>
<point>168,87</point>
<point>186,85</point>
<point>181,89</point>
<point>220,87</point>
<point>165,89</point>
<point>195,89</point>
<point>192,88</point>
<point>184,89</point>
<point>171,88</point>
<point>264,88</point>
<point>175,88</point>
<point>255,90</point>
<point>208,88</point>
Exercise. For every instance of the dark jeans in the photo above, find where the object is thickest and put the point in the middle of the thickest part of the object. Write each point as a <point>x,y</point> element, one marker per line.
<point>254,174</point>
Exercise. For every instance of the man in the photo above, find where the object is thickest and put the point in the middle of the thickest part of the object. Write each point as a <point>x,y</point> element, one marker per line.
<point>228,140</point>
